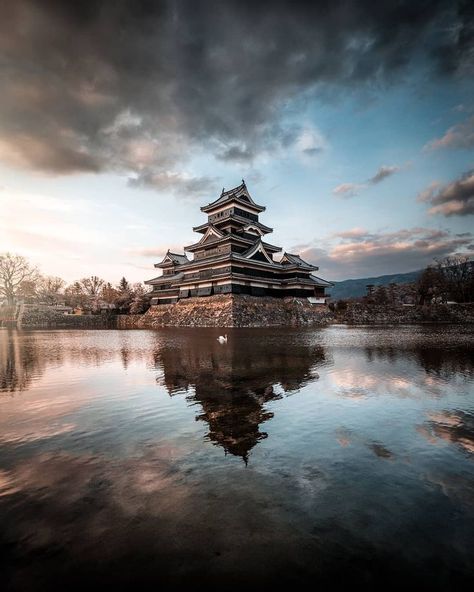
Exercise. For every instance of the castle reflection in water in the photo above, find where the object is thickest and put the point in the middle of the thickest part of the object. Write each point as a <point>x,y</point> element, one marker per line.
<point>231,386</point>
<point>232,383</point>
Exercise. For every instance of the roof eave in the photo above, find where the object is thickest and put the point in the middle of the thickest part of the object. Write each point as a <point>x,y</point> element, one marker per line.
<point>162,265</point>
<point>324,283</point>
<point>216,204</point>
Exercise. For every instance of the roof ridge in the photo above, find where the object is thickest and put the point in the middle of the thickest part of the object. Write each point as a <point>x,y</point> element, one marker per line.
<point>240,192</point>
<point>234,189</point>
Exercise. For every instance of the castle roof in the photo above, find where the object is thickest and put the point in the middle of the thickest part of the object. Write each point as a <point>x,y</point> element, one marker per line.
<point>234,218</point>
<point>296,260</point>
<point>165,279</point>
<point>319,281</point>
<point>230,237</point>
<point>239,194</point>
<point>257,247</point>
<point>172,259</point>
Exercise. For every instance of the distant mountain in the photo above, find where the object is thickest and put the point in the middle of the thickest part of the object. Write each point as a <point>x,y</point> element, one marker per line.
<point>355,288</point>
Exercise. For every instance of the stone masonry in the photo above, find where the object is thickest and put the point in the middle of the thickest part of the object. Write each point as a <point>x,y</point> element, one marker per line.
<point>230,310</point>
<point>33,316</point>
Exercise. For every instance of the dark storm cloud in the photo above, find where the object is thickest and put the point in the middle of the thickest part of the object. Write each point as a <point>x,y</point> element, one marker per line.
<point>452,199</point>
<point>183,186</point>
<point>140,86</point>
<point>360,253</point>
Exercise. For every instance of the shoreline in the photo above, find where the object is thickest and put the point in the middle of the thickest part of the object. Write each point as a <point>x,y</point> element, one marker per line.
<point>250,312</point>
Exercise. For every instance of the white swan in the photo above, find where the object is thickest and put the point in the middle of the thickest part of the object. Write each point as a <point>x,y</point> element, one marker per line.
<point>222,339</point>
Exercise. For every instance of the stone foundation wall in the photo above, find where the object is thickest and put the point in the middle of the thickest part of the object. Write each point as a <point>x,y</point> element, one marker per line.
<point>44,317</point>
<point>251,311</point>
<point>130,321</point>
<point>363,314</point>
<point>230,310</point>
<point>247,311</point>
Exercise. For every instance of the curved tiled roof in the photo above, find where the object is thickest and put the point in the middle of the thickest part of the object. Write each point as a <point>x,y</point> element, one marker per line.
<point>165,279</point>
<point>240,193</point>
<point>296,260</point>
<point>320,281</point>
<point>175,258</point>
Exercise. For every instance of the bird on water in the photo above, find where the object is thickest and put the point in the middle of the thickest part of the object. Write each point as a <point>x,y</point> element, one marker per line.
<point>222,339</point>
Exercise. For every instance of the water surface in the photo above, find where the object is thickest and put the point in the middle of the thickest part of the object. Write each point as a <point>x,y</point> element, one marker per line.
<point>305,457</point>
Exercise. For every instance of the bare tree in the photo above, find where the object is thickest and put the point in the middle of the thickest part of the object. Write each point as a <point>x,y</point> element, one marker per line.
<point>27,291</point>
<point>458,274</point>
<point>380,295</point>
<point>14,270</point>
<point>92,285</point>
<point>430,286</point>
<point>75,295</point>
<point>49,289</point>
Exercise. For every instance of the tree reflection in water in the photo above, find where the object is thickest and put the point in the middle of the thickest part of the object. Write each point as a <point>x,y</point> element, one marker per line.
<point>438,361</point>
<point>20,362</point>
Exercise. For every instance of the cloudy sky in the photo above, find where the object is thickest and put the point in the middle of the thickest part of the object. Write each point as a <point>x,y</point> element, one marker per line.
<point>353,122</point>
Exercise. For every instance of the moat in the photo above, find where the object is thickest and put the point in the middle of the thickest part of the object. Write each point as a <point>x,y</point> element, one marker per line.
<point>145,458</point>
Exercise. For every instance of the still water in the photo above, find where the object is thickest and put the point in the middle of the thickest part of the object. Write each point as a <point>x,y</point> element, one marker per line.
<point>305,457</point>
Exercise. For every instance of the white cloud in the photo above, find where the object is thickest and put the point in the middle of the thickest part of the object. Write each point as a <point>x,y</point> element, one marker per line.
<point>460,135</point>
<point>347,189</point>
<point>310,142</point>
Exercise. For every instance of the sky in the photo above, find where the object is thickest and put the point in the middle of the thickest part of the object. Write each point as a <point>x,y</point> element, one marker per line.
<point>352,122</point>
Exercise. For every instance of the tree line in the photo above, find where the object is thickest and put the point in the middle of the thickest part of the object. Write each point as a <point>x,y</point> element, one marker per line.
<point>21,281</point>
<point>447,280</point>
<point>450,279</point>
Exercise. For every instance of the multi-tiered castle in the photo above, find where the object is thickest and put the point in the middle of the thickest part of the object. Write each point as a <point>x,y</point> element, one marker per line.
<point>232,258</point>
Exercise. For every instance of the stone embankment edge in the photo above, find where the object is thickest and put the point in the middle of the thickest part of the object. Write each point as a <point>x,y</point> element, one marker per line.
<point>248,311</point>
<point>370,314</point>
<point>245,311</point>
<point>230,311</point>
<point>32,316</point>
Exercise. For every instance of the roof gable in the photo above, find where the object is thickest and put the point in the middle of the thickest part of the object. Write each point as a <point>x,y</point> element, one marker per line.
<point>256,251</point>
<point>212,233</point>
<point>173,259</point>
<point>253,229</point>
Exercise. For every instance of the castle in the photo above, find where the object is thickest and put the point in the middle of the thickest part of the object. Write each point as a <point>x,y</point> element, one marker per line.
<point>232,257</point>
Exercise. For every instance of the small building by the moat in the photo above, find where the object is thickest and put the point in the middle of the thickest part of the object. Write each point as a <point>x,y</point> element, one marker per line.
<point>232,257</point>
